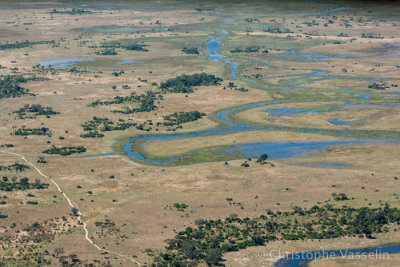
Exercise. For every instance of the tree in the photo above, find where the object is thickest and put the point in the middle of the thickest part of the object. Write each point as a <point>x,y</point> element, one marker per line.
<point>213,256</point>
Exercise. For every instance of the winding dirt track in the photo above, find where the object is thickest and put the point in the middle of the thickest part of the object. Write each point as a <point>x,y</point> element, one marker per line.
<point>79,217</point>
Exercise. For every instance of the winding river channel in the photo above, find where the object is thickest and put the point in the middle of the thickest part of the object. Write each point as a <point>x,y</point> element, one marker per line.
<point>276,150</point>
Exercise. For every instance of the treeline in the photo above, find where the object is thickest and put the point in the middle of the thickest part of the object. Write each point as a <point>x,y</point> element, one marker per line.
<point>15,167</point>
<point>32,111</point>
<point>276,30</point>
<point>65,150</point>
<point>185,83</point>
<point>125,44</point>
<point>104,125</point>
<point>249,49</point>
<point>23,184</point>
<point>9,86</point>
<point>182,117</point>
<point>211,238</point>
<point>190,50</point>
<point>143,102</point>
<point>73,11</point>
<point>378,86</point>
<point>32,131</point>
<point>24,44</point>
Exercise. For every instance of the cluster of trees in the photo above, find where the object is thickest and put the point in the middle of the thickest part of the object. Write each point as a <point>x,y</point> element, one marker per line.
<point>378,86</point>
<point>371,35</point>
<point>143,102</point>
<point>340,197</point>
<point>9,86</point>
<point>190,50</point>
<point>65,150</point>
<point>249,49</point>
<point>23,184</point>
<point>24,44</point>
<point>126,44</point>
<point>185,83</point>
<point>107,52</point>
<point>73,11</point>
<point>276,30</point>
<point>211,238</point>
<point>15,167</point>
<point>104,125</point>
<point>177,118</point>
<point>32,131</point>
<point>34,110</point>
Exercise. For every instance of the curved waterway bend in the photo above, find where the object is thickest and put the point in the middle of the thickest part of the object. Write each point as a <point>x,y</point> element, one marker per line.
<point>275,150</point>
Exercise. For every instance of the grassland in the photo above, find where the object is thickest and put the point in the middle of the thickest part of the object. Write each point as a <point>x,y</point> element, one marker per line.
<point>126,203</point>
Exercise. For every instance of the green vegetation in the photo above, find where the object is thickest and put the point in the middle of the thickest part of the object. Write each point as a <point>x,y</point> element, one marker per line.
<point>9,86</point>
<point>107,52</point>
<point>177,118</point>
<point>185,83</point>
<point>32,131</point>
<point>65,151</point>
<point>378,86</point>
<point>126,44</point>
<point>276,30</point>
<point>31,112</point>
<point>211,238</point>
<point>143,102</point>
<point>190,50</point>
<point>104,125</point>
<point>23,184</point>
<point>15,167</point>
<point>249,49</point>
<point>371,35</point>
<point>73,11</point>
<point>24,44</point>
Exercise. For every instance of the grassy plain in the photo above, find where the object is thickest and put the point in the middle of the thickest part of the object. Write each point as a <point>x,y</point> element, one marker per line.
<point>137,198</point>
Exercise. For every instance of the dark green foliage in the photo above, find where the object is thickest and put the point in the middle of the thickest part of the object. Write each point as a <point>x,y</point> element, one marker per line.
<point>211,238</point>
<point>94,134</point>
<point>73,11</point>
<point>378,86</point>
<point>32,131</point>
<point>24,44</point>
<point>65,151</point>
<point>23,184</point>
<point>15,167</point>
<point>107,52</point>
<point>371,35</point>
<point>185,83</point>
<point>190,50</point>
<point>9,86</point>
<point>340,197</point>
<point>249,49</point>
<point>143,103</point>
<point>177,118</point>
<point>180,207</point>
<point>104,125</point>
<point>276,30</point>
<point>31,112</point>
<point>126,44</point>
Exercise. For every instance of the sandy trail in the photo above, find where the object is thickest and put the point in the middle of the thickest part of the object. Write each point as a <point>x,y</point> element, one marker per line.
<point>79,217</point>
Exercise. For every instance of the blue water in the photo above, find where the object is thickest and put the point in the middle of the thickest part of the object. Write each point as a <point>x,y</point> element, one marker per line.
<point>341,122</point>
<point>64,62</point>
<point>333,9</point>
<point>289,112</point>
<point>302,259</point>
<point>276,150</point>
<point>323,164</point>
<point>123,62</point>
